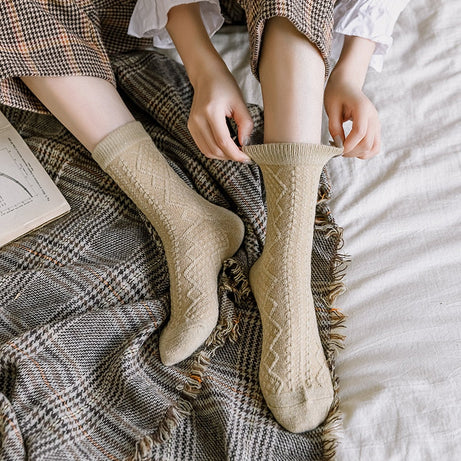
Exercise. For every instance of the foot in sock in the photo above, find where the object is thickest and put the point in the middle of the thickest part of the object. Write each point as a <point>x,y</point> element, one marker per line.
<point>197,235</point>
<point>294,376</point>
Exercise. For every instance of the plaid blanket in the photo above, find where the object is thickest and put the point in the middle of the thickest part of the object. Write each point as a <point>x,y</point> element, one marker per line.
<point>83,299</point>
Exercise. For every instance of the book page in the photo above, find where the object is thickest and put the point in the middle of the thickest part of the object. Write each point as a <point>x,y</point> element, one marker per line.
<point>28,196</point>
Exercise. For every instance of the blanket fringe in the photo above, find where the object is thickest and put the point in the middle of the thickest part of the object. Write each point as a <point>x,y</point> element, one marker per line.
<point>227,329</point>
<point>332,427</point>
<point>174,414</point>
<point>235,280</point>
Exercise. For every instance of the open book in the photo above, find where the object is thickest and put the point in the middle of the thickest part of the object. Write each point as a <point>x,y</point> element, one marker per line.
<point>28,196</point>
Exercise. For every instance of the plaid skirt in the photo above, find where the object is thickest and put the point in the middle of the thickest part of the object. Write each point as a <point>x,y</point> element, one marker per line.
<point>65,37</point>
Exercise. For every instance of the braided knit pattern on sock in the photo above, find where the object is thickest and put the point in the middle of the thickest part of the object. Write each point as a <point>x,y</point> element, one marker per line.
<point>197,235</point>
<point>294,376</point>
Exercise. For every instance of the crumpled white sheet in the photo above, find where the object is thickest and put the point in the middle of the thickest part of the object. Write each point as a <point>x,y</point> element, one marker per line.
<point>400,371</point>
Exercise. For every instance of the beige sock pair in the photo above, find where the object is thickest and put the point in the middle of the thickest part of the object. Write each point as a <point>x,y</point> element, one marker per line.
<point>198,236</point>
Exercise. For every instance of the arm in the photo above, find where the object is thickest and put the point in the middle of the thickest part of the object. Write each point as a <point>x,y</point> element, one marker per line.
<point>367,27</point>
<point>344,100</point>
<point>216,94</point>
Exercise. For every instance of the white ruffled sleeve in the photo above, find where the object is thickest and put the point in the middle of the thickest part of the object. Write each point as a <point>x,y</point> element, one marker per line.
<point>371,19</point>
<point>150,17</point>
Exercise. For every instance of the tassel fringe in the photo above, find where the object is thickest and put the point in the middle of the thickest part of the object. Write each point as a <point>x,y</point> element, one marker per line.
<point>324,223</point>
<point>226,330</point>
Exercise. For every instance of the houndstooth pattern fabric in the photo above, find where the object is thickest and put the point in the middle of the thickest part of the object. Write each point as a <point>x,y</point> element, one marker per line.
<point>83,299</point>
<point>313,18</point>
<point>66,37</point>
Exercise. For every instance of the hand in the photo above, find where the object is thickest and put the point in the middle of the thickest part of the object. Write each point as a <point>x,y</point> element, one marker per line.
<point>344,100</point>
<point>217,96</point>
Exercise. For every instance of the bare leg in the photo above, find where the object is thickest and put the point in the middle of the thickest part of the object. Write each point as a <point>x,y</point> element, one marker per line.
<point>293,373</point>
<point>89,107</point>
<point>292,74</point>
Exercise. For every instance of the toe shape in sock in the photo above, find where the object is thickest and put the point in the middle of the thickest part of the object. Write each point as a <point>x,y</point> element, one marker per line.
<point>175,347</point>
<point>303,411</point>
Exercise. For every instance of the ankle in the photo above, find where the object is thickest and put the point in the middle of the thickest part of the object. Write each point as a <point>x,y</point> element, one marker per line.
<point>118,141</point>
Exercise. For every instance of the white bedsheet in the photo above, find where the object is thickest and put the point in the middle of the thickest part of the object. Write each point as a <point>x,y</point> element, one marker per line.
<point>400,371</point>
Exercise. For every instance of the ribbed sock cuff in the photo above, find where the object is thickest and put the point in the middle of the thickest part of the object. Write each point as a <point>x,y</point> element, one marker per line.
<point>291,153</point>
<point>118,141</point>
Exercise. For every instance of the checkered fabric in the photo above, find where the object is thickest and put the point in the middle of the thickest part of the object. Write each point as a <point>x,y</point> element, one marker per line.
<point>66,37</point>
<point>83,299</point>
<point>313,18</point>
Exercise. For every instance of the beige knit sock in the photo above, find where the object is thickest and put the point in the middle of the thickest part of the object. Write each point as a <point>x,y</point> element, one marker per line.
<point>293,373</point>
<point>197,235</point>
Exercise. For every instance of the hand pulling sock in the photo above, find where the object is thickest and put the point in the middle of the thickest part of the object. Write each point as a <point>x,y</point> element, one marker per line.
<point>197,235</point>
<point>293,374</point>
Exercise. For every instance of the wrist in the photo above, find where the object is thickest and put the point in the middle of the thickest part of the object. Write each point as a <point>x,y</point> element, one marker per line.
<point>200,67</point>
<point>346,74</point>
<point>192,42</point>
<point>352,66</point>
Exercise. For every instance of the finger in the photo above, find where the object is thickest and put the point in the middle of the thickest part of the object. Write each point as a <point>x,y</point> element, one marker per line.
<point>358,132</point>
<point>244,122</point>
<point>364,147</point>
<point>201,141</point>
<point>222,141</point>
<point>377,144</point>
<point>376,149</point>
<point>363,150</point>
<point>371,145</point>
<point>214,150</point>
<point>335,125</point>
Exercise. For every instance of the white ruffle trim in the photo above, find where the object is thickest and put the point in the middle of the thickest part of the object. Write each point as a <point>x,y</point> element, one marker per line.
<point>150,17</point>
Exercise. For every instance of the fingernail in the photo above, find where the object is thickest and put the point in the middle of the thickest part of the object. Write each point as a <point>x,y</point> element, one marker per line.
<point>247,160</point>
<point>246,141</point>
<point>338,141</point>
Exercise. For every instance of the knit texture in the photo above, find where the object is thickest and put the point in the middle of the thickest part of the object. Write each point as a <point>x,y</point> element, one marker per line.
<point>293,374</point>
<point>197,235</point>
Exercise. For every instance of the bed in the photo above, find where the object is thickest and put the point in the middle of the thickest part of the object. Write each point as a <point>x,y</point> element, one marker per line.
<point>400,369</point>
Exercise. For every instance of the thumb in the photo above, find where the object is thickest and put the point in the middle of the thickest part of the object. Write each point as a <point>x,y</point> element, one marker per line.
<point>335,124</point>
<point>244,122</point>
